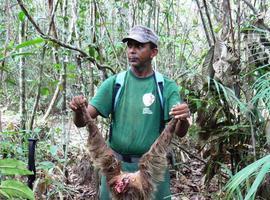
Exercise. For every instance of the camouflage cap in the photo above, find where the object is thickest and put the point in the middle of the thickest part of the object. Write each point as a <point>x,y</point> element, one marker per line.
<point>142,34</point>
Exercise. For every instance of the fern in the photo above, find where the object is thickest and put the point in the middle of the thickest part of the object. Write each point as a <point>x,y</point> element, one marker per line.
<point>258,168</point>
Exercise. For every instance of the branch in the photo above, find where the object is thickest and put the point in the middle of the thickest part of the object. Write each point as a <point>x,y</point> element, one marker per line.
<point>231,24</point>
<point>251,7</point>
<point>209,21</point>
<point>31,124</point>
<point>30,18</point>
<point>107,31</point>
<point>186,151</point>
<point>239,29</point>
<point>204,25</point>
<point>52,14</point>
<point>0,120</point>
<point>55,95</point>
<point>62,44</point>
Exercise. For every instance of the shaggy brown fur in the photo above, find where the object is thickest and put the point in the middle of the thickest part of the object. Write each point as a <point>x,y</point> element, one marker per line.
<point>130,186</point>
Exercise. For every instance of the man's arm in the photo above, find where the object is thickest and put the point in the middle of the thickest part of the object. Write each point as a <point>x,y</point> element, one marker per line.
<point>181,112</point>
<point>76,105</point>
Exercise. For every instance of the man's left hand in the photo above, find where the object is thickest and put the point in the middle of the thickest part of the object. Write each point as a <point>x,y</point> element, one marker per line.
<point>180,111</point>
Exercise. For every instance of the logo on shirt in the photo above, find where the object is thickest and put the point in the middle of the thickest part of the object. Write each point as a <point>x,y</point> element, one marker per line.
<point>148,100</point>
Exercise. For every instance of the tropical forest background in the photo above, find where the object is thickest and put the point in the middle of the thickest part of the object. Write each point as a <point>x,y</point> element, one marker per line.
<point>218,51</point>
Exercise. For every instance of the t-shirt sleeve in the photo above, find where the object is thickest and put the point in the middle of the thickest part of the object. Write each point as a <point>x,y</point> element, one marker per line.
<point>171,97</point>
<point>102,100</point>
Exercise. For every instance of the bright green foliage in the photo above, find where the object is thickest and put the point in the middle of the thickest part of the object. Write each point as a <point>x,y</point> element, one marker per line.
<point>30,43</point>
<point>21,16</point>
<point>12,51</point>
<point>13,188</point>
<point>13,167</point>
<point>262,86</point>
<point>259,169</point>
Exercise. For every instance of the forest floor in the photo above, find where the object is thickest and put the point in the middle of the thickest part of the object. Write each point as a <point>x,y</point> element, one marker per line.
<point>79,181</point>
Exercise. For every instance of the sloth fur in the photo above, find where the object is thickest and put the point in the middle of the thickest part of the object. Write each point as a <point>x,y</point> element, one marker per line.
<point>139,185</point>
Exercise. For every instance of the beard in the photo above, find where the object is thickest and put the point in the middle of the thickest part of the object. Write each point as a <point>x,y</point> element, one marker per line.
<point>138,65</point>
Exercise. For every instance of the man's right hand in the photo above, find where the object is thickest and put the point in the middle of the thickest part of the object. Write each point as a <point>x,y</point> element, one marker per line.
<point>77,103</point>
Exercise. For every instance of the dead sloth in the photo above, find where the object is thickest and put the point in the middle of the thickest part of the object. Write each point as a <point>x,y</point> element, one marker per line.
<point>130,186</point>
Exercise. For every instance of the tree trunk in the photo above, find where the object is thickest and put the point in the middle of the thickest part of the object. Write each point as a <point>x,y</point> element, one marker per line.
<point>91,87</point>
<point>22,80</point>
<point>52,30</point>
<point>65,135</point>
<point>204,24</point>
<point>53,100</point>
<point>1,123</point>
<point>209,21</point>
<point>64,86</point>
<point>41,65</point>
<point>8,31</point>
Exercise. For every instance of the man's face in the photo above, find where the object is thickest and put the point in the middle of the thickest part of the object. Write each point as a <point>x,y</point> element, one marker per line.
<point>140,54</point>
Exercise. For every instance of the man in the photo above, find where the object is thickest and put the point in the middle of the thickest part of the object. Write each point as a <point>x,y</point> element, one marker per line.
<point>138,117</point>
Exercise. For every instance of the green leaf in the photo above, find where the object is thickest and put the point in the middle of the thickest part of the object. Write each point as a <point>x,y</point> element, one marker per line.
<point>245,174</point>
<point>57,66</point>
<point>10,81</point>
<point>3,194</point>
<point>71,75</point>
<point>45,91</point>
<point>9,132</point>
<point>198,103</point>
<point>46,165</point>
<point>16,54</point>
<point>30,43</point>
<point>37,130</point>
<point>13,167</point>
<point>53,150</point>
<point>22,54</point>
<point>126,5</point>
<point>21,16</point>
<point>218,28</point>
<point>92,51</point>
<point>259,178</point>
<point>195,22</point>
<point>15,188</point>
<point>71,67</point>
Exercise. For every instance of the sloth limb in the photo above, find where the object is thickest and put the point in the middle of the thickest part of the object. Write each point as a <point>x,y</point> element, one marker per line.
<point>102,156</point>
<point>130,186</point>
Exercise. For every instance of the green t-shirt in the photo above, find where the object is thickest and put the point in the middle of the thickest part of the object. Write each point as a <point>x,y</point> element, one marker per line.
<point>137,115</point>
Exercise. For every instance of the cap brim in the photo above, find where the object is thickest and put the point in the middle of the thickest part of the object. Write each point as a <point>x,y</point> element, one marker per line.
<point>136,38</point>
